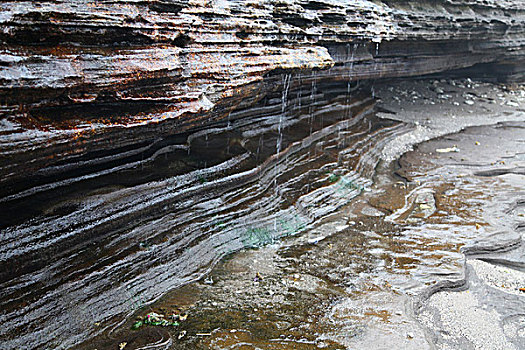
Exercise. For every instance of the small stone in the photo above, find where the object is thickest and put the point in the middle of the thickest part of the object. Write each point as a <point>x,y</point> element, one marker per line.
<point>447,150</point>
<point>258,277</point>
<point>469,102</point>
<point>316,240</point>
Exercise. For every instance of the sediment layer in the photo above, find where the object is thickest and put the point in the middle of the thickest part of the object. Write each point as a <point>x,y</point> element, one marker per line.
<point>142,141</point>
<point>79,78</point>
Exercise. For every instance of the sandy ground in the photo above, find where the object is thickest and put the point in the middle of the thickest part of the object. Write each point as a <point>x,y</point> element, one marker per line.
<point>485,310</point>
<point>466,319</point>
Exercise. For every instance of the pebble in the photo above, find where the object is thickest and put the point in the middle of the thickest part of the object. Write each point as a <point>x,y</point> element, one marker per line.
<point>316,239</point>
<point>469,102</point>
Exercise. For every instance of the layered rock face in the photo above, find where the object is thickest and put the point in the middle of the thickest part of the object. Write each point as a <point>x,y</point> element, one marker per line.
<point>140,141</point>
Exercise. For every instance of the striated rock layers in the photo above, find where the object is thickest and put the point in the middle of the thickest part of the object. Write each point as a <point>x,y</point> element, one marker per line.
<point>140,141</point>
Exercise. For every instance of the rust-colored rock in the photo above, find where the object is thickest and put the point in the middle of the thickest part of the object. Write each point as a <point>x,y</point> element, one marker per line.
<point>73,73</point>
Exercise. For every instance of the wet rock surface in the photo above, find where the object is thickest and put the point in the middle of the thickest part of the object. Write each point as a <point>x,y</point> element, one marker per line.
<point>482,309</point>
<point>86,86</point>
<point>429,256</point>
<point>141,142</point>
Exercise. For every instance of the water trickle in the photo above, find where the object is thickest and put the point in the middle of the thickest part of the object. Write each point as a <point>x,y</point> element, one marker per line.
<point>352,55</point>
<point>284,99</point>
<point>260,145</point>
<point>350,74</point>
<point>300,93</point>
<point>312,101</point>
